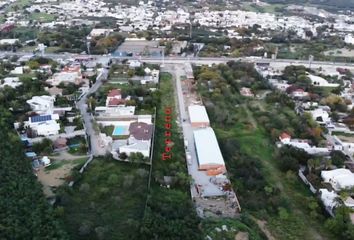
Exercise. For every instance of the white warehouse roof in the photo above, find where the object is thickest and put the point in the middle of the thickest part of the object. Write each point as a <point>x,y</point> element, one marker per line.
<point>207,147</point>
<point>198,113</point>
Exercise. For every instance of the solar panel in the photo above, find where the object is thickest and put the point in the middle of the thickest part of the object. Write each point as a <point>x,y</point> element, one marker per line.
<point>41,118</point>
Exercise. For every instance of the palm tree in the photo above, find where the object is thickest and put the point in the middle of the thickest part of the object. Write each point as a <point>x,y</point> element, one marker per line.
<point>313,164</point>
<point>327,163</point>
<point>91,102</point>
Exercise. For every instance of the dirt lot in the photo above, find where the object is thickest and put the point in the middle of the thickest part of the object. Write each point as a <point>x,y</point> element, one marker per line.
<point>53,176</point>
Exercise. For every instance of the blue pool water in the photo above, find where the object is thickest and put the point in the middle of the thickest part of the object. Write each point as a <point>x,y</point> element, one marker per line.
<point>119,130</point>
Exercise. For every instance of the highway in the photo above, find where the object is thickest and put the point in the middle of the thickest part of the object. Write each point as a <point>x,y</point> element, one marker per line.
<point>182,60</point>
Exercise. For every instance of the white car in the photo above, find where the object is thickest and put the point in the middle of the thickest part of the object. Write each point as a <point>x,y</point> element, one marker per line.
<point>189,158</point>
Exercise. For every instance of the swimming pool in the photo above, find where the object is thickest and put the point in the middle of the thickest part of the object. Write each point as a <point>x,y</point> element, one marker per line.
<point>120,130</point>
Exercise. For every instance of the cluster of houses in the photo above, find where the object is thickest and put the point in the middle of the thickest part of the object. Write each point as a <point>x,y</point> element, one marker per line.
<point>149,15</point>
<point>341,178</point>
<point>131,133</point>
<point>45,118</point>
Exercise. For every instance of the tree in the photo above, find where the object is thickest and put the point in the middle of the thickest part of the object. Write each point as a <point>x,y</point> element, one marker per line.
<point>338,158</point>
<point>288,163</point>
<point>44,148</point>
<point>23,206</point>
<point>123,155</point>
<point>91,102</point>
<point>313,164</point>
<point>33,64</point>
<point>341,225</point>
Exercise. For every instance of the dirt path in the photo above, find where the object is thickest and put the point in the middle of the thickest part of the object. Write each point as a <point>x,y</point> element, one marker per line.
<point>263,226</point>
<point>250,116</point>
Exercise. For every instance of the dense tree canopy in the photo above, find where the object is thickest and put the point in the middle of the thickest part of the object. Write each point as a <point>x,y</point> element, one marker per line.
<point>24,212</point>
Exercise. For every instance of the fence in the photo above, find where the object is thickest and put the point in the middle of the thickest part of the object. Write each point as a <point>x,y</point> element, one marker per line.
<point>304,179</point>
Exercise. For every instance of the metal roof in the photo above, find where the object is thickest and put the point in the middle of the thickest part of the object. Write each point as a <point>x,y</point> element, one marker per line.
<point>198,113</point>
<point>207,147</point>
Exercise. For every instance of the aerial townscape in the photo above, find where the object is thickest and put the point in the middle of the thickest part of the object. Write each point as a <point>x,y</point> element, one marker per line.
<point>177,120</point>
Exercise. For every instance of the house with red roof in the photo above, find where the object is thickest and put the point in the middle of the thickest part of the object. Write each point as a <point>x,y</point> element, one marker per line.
<point>299,93</point>
<point>284,137</point>
<point>114,98</point>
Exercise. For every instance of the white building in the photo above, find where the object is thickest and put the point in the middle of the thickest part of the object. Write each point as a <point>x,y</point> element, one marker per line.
<point>134,63</point>
<point>329,199</point>
<point>42,104</point>
<point>198,116</point>
<point>346,146</point>
<point>139,139</point>
<point>115,111</point>
<point>208,152</point>
<point>17,71</point>
<point>339,178</point>
<point>285,139</point>
<point>12,82</point>
<point>45,161</point>
<point>155,76</point>
<point>96,32</point>
<point>11,41</point>
<point>321,116</point>
<point>349,39</point>
<point>321,82</point>
<point>44,125</point>
<point>281,85</point>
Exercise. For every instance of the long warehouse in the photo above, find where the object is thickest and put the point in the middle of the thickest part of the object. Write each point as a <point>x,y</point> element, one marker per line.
<point>209,155</point>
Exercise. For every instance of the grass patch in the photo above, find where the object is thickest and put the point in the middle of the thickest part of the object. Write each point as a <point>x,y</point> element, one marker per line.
<point>42,17</point>
<point>162,219</point>
<point>232,228</point>
<point>17,5</point>
<point>343,134</point>
<point>108,130</point>
<point>60,163</point>
<point>52,49</point>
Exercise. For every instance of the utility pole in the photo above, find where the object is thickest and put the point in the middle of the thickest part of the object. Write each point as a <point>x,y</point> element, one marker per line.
<point>190,30</point>
<point>88,45</point>
<point>310,60</point>
<point>163,57</point>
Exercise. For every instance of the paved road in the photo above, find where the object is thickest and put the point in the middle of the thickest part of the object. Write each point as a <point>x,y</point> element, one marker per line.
<point>87,118</point>
<point>199,177</point>
<point>182,60</point>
